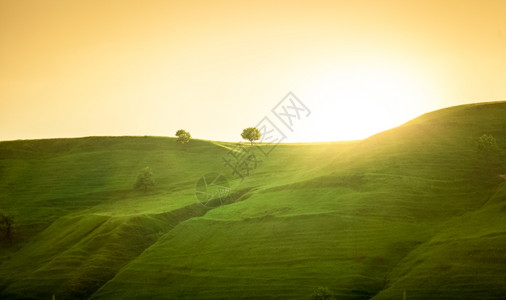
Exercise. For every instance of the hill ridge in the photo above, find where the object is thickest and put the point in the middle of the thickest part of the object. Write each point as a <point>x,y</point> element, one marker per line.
<point>367,219</point>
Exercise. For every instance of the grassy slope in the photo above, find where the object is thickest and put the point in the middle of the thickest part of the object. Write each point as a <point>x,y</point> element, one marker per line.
<point>414,208</point>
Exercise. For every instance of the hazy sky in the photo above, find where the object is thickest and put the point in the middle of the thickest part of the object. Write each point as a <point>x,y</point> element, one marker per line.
<point>107,67</point>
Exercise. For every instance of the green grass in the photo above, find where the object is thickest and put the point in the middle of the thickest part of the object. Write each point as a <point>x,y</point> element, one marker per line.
<point>412,209</point>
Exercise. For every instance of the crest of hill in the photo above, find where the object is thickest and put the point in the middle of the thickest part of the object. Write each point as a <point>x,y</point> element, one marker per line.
<point>413,208</point>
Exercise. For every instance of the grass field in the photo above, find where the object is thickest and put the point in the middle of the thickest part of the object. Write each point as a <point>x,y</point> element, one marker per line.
<point>414,210</point>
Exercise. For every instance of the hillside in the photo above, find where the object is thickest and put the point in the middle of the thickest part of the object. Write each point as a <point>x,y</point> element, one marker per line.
<point>414,209</point>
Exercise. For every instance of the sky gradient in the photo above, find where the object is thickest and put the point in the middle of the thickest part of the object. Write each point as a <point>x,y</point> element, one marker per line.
<point>81,68</point>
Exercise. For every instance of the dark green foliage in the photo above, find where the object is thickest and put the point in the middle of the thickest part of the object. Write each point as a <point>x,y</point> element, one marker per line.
<point>6,228</point>
<point>251,134</point>
<point>487,144</point>
<point>145,180</point>
<point>183,136</point>
<point>322,293</point>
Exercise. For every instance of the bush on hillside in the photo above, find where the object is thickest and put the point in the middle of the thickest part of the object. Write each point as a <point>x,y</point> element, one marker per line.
<point>145,180</point>
<point>7,228</point>
<point>183,136</point>
<point>322,293</point>
<point>487,144</point>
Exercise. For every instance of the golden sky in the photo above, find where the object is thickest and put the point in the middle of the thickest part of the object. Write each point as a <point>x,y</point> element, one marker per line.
<point>118,67</point>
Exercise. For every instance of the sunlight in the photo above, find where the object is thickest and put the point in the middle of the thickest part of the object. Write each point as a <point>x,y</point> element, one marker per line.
<point>358,101</point>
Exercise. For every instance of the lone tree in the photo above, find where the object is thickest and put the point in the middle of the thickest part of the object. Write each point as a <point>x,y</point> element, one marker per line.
<point>145,180</point>
<point>183,136</point>
<point>251,134</point>
<point>6,227</point>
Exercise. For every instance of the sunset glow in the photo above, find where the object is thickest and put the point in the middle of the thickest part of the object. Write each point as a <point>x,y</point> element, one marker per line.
<point>80,68</point>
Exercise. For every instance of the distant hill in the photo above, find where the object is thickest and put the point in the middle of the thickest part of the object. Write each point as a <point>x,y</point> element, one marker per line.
<point>415,210</point>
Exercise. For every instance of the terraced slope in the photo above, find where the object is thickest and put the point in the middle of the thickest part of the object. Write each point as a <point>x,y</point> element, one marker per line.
<point>412,210</point>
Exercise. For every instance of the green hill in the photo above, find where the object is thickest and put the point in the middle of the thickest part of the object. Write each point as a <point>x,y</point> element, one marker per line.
<point>415,210</point>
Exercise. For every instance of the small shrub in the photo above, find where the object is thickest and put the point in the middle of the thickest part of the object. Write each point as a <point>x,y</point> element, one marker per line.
<point>322,293</point>
<point>183,136</point>
<point>145,180</point>
<point>7,228</point>
<point>487,144</point>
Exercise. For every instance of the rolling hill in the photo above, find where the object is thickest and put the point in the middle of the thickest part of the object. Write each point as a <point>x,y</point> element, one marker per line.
<point>414,210</point>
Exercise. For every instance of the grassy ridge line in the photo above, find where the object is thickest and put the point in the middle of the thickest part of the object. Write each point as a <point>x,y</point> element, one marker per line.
<point>336,215</point>
<point>90,177</point>
<point>90,248</point>
<point>412,183</point>
<point>86,181</point>
<point>80,173</point>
